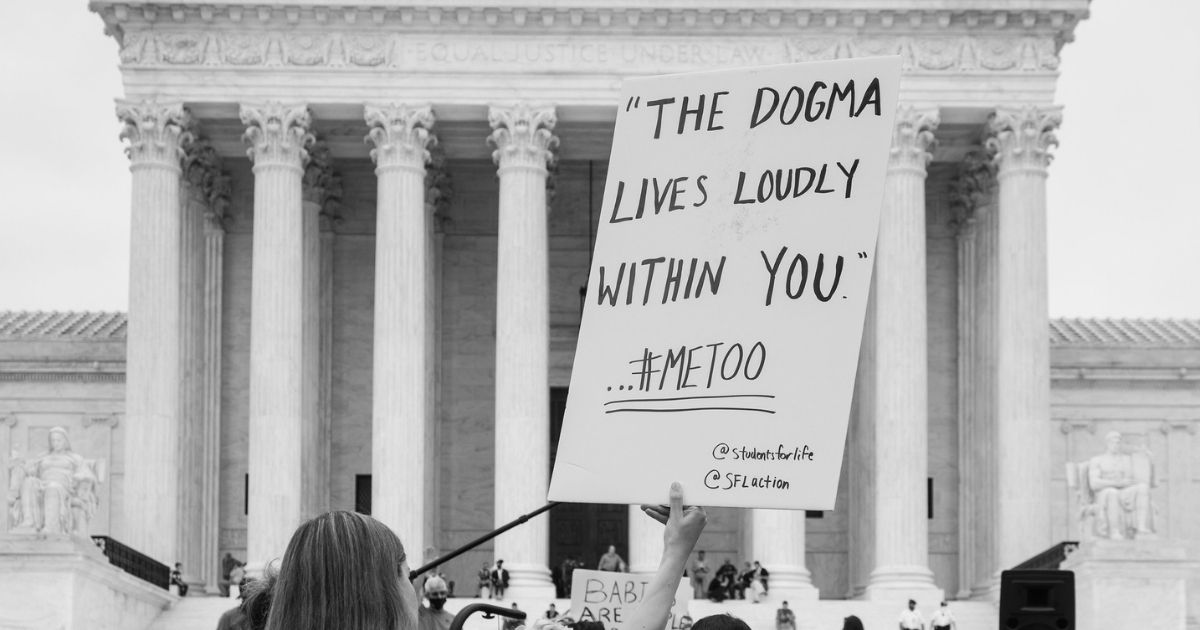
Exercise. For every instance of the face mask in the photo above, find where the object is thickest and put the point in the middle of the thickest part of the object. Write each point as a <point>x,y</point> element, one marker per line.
<point>436,603</point>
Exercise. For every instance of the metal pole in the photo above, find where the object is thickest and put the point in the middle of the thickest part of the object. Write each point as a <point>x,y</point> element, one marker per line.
<point>482,539</point>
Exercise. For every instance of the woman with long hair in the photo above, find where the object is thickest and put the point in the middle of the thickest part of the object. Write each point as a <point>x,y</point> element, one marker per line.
<point>343,570</point>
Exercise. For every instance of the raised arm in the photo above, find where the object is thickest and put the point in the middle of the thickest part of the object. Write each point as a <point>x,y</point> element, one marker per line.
<point>683,527</point>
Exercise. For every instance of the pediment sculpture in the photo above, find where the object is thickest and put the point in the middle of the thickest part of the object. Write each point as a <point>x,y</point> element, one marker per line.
<point>55,492</point>
<point>1114,492</point>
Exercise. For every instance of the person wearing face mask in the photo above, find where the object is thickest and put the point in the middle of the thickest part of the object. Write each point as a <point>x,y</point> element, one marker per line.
<point>435,616</point>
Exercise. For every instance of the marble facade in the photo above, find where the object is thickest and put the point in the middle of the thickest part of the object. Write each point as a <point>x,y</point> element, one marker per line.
<point>321,267</point>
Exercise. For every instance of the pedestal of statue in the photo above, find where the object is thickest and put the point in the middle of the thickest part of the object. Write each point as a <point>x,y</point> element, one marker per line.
<point>62,581</point>
<point>1132,583</point>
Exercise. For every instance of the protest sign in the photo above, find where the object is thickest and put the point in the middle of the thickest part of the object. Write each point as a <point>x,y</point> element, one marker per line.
<point>725,303</point>
<point>611,597</point>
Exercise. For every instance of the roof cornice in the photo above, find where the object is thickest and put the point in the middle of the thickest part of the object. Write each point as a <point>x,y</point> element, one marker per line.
<point>658,16</point>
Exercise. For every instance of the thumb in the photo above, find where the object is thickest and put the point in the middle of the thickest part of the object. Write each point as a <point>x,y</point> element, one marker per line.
<point>676,500</point>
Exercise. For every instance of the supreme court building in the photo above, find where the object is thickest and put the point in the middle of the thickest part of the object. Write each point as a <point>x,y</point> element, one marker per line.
<point>360,245</point>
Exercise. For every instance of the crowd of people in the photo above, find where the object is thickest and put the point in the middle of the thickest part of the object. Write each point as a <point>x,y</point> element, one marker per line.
<point>493,581</point>
<point>348,571</point>
<point>727,582</point>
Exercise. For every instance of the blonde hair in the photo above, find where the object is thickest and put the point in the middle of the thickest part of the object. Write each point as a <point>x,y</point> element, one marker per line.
<point>341,570</point>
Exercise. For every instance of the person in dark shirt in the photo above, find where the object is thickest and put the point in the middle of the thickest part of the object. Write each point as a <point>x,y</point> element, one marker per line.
<point>743,582</point>
<point>435,616</point>
<point>235,618</point>
<point>512,624</point>
<point>177,579</point>
<point>499,580</point>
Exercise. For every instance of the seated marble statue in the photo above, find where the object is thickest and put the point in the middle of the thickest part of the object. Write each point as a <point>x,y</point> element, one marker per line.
<point>57,491</point>
<point>1114,490</point>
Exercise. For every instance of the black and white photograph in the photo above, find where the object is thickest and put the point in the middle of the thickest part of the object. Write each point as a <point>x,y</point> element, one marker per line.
<point>599,315</point>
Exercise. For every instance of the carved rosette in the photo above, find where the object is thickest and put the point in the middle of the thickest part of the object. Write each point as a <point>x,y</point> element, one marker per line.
<point>1022,138</point>
<point>969,188</point>
<point>318,173</point>
<point>912,139</point>
<point>157,132</point>
<point>400,133</point>
<point>523,136</point>
<point>278,134</point>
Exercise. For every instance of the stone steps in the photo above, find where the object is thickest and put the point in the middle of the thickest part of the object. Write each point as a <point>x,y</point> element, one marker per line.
<point>201,613</point>
<point>194,613</point>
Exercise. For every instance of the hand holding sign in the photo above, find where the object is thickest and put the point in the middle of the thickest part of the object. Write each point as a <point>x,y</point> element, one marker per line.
<point>683,524</point>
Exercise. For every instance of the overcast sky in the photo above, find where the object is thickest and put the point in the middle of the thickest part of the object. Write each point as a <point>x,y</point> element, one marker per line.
<point>1123,207</point>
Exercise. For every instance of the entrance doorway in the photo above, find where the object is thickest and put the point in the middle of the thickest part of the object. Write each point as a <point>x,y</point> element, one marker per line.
<point>581,530</point>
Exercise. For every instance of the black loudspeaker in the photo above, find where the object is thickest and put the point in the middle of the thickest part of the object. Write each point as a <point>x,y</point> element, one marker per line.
<point>1032,599</point>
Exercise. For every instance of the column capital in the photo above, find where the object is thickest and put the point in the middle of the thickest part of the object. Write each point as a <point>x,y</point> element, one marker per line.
<point>278,133</point>
<point>401,134</point>
<point>1022,137</point>
<point>912,138</point>
<point>523,135</point>
<point>157,132</point>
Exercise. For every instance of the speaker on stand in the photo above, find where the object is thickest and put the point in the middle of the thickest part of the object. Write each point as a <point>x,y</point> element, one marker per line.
<point>1036,599</point>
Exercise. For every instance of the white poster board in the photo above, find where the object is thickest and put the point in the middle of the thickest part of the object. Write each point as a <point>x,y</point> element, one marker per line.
<point>726,297</point>
<point>610,597</point>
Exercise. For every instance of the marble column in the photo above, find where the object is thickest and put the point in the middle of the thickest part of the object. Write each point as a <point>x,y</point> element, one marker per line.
<point>900,400</point>
<point>401,136</point>
<point>965,410</point>
<point>156,133</point>
<point>645,542</point>
<point>1021,140</point>
<point>778,542</point>
<point>328,219</point>
<point>192,206</point>
<point>438,190</point>
<point>524,143</point>
<point>318,177</point>
<point>279,136</point>
<point>860,475</point>
<point>214,274</point>
<point>983,582</point>
<point>967,195</point>
<point>201,171</point>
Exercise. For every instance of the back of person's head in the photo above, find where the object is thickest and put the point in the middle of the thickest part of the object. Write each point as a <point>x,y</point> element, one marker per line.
<point>588,625</point>
<point>256,599</point>
<point>343,570</point>
<point>852,623</point>
<point>724,621</point>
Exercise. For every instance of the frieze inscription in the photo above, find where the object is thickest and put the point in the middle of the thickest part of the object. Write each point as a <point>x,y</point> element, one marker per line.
<point>587,54</point>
